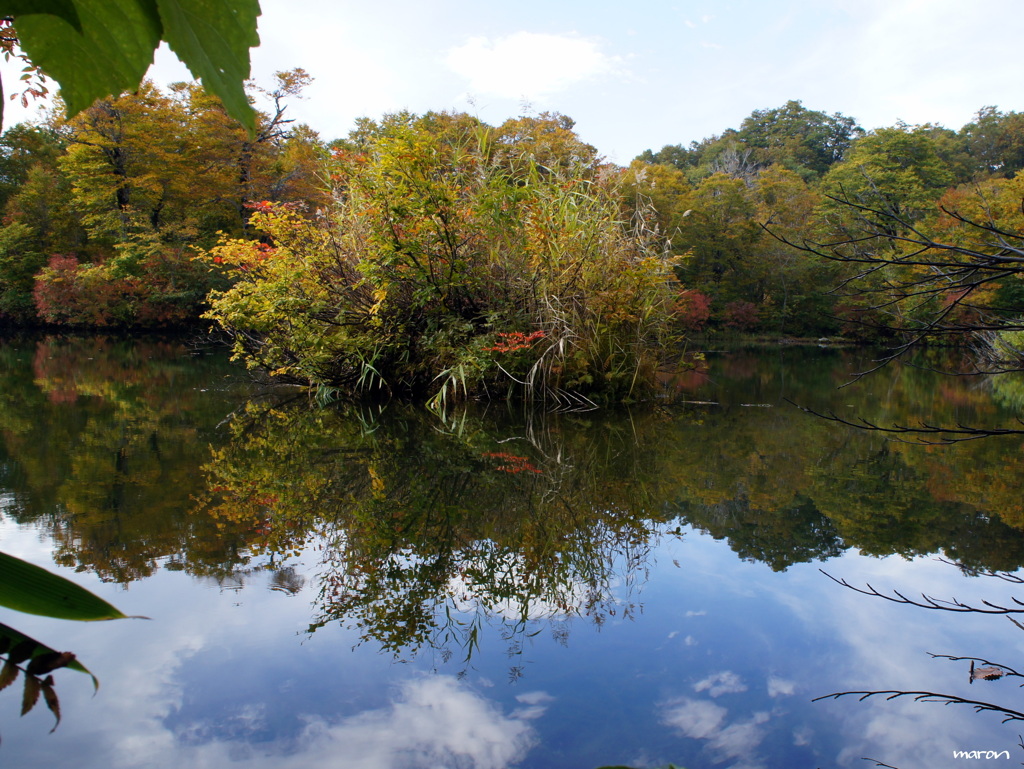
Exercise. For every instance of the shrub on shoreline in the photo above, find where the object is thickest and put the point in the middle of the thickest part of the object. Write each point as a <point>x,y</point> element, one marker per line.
<point>452,263</point>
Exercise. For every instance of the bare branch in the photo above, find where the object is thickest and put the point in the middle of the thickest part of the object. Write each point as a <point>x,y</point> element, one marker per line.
<point>944,699</point>
<point>971,571</point>
<point>879,763</point>
<point>1004,670</point>
<point>927,602</point>
<point>926,434</point>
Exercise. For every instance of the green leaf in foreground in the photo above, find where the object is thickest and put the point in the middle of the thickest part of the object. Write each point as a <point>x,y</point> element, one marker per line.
<point>64,9</point>
<point>108,56</point>
<point>33,590</point>
<point>213,39</point>
<point>100,48</point>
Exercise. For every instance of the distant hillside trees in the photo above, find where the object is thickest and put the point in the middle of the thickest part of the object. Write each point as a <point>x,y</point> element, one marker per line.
<point>843,184</point>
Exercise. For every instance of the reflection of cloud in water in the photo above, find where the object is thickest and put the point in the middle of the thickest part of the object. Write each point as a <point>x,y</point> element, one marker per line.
<point>705,720</point>
<point>247,722</point>
<point>904,732</point>
<point>434,721</point>
<point>802,736</point>
<point>535,704</point>
<point>718,684</point>
<point>151,714</point>
<point>694,718</point>
<point>562,600</point>
<point>780,687</point>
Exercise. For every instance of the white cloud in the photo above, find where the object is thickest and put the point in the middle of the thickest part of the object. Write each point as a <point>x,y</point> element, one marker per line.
<point>528,65</point>
<point>718,684</point>
<point>704,720</point>
<point>698,719</point>
<point>437,720</point>
<point>780,687</point>
<point>434,721</point>
<point>536,704</point>
<point>739,740</point>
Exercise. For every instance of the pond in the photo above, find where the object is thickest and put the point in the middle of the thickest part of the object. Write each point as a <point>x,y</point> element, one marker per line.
<point>379,586</point>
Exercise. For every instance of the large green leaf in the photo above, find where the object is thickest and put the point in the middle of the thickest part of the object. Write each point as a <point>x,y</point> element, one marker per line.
<point>213,38</point>
<point>109,56</point>
<point>100,48</point>
<point>65,9</point>
<point>33,590</point>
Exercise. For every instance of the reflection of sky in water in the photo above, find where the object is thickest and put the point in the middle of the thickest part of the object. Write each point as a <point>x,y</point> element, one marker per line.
<point>718,670</point>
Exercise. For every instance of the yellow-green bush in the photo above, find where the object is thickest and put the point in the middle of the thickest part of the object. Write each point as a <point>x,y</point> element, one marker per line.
<point>443,269</point>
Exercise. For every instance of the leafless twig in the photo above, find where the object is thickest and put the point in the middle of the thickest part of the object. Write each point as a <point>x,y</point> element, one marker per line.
<point>944,699</point>
<point>927,602</point>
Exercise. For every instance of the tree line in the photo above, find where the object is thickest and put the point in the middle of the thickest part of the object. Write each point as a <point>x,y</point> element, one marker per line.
<point>815,181</point>
<point>105,212</point>
<point>437,254</point>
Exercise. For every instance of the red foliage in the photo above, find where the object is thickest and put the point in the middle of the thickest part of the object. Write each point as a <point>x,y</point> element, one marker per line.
<point>54,371</point>
<point>69,293</point>
<point>513,464</point>
<point>61,295</point>
<point>692,309</point>
<point>515,340</point>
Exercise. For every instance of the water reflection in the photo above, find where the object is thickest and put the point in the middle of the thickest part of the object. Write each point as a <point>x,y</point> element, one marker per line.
<point>428,531</point>
<point>101,439</point>
<point>450,544</point>
<point>948,690</point>
<point>525,514</point>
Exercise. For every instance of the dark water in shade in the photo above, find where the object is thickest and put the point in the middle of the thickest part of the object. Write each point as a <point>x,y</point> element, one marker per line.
<point>374,587</point>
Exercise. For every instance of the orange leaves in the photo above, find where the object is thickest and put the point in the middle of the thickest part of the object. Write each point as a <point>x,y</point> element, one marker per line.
<point>512,463</point>
<point>515,340</point>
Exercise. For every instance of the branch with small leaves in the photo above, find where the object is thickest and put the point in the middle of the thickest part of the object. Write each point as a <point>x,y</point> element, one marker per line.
<point>35,83</point>
<point>34,662</point>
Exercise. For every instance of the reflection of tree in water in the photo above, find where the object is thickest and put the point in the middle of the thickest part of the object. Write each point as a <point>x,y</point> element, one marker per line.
<point>784,488</point>
<point>779,537</point>
<point>429,531</point>
<point>100,439</point>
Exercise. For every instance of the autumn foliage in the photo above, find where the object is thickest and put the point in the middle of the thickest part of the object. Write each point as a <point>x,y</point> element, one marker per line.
<point>453,263</point>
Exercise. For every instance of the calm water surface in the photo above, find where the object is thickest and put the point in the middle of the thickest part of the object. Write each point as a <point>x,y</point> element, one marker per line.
<point>379,587</point>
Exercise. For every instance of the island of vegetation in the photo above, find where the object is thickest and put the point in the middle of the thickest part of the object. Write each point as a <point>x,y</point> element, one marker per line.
<point>439,257</point>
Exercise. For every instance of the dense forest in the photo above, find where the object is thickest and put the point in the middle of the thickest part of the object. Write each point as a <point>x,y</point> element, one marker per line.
<point>436,254</point>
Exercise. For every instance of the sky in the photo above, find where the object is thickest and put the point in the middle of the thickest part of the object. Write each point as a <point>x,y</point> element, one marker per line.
<point>637,75</point>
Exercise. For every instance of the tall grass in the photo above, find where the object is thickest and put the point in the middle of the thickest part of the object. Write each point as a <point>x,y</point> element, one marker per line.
<point>451,266</point>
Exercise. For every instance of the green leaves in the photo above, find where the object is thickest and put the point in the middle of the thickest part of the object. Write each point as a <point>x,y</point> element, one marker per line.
<point>64,9</point>
<point>33,590</point>
<point>213,39</point>
<point>99,48</point>
<point>109,55</point>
